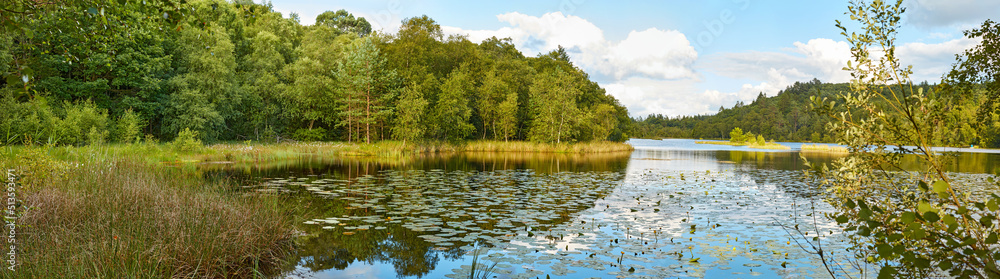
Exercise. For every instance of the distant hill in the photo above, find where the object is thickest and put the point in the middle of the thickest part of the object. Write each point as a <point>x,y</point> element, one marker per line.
<point>788,117</point>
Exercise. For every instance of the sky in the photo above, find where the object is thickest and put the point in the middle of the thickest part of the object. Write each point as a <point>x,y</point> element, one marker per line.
<point>682,57</point>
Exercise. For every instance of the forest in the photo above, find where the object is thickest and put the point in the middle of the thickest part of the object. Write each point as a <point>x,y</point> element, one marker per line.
<point>90,72</point>
<point>788,116</point>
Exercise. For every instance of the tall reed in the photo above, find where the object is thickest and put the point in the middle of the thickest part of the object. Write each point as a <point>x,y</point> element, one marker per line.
<point>127,219</point>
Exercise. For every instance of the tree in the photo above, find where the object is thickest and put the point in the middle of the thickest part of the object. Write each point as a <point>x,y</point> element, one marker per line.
<point>553,102</point>
<point>494,91</point>
<point>411,110</point>
<point>452,110</point>
<point>912,224</point>
<point>506,124</point>
<point>311,82</point>
<point>368,88</point>
<point>205,92</point>
<point>978,69</point>
<point>736,136</point>
<point>598,122</point>
<point>344,22</point>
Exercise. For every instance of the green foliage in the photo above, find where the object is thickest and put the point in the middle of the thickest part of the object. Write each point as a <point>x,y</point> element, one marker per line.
<point>344,22</point>
<point>84,124</point>
<point>187,140</point>
<point>911,224</point>
<point>205,92</point>
<point>314,134</point>
<point>976,72</point>
<point>240,70</point>
<point>368,88</point>
<point>452,111</point>
<point>553,103</point>
<point>128,128</point>
<point>736,136</point>
<point>409,123</point>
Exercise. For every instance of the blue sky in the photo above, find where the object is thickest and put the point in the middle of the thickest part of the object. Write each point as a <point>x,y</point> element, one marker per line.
<point>683,57</point>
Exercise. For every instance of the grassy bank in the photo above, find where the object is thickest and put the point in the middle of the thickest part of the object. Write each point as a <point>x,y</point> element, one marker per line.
<point>118,218</point>
<point>269,152</point>
<point>533,147</point>
<point>824,148</point>
<point>767,145</point>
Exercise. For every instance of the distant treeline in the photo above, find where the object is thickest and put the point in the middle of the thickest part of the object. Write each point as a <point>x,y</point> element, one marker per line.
<point>92,71</point>
<point>788,117</point>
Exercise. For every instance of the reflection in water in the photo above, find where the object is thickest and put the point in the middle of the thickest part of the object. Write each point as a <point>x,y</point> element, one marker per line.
<point>538,214</point>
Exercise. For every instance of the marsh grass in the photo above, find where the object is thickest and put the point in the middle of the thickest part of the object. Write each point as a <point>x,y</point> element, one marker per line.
<point>766,145</point>
<point>534,147</point>
<point>152,152</point>
<point>824,148</point>
<point>123,218</point>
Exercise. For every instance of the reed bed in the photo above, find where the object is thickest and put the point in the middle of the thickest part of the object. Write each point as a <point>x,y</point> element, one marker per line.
<point>534,147</point>
<point>766,145</point>
<point>824,148</point>
<point>124,218</point>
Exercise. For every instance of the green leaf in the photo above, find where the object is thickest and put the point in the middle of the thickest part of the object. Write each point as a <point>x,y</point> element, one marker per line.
<point>945,265</point>
<point>884,250</point>
<point>940,186</point>
<point>923,207</point>
<point>922,263</point>
<point>908,217</point>
<point>992,205</point>
<point>92,11</point>
<point>842,219</point>
<point>948,219</point>
<point>986,221</point>
<point>932,217</point>
<point>992,239</point>
<point>923,185</point>
<point>849,203</point>
<point>887,272</point>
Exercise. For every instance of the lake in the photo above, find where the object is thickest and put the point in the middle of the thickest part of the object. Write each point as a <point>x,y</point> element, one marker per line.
<point>671,208</point>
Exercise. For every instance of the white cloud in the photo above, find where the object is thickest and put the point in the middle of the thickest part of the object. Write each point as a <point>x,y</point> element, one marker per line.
<point>653,71</point>
<point>937,13</point>
<point>931,61</point>
<point>643,96</point>
<point>650,53</point>
<point>818,58</point>
<point>650,71</point>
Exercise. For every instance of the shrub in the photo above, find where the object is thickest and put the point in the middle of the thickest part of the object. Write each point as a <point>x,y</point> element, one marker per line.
<point>96,137</point>
<point>80,119</point>
<point>128,128</point>
<point>187,141</point>
<point>20,121</point>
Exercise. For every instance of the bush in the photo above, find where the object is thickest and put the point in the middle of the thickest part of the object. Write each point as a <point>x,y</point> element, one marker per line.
<point>81,119</point>
<point>314,134</point>
<point>128,128</point>
<point>95,137</point>
<point>21,121</point>
<point>187,141</point>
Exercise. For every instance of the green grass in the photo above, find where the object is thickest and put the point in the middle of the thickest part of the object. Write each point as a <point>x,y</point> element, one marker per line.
<point>824,148</point>
<point>269,152</point>
<point>533,147</point>
<point>718,142</point>
<point>124,218</point>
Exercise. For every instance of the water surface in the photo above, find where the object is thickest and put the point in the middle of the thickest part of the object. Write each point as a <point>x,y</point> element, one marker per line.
<point>671,208</point>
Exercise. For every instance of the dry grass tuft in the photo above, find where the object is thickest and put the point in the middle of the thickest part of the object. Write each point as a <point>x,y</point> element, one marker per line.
<point>126,219</point>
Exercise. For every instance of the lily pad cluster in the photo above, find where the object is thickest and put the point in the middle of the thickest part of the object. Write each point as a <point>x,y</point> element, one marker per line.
<point>644,224</point>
